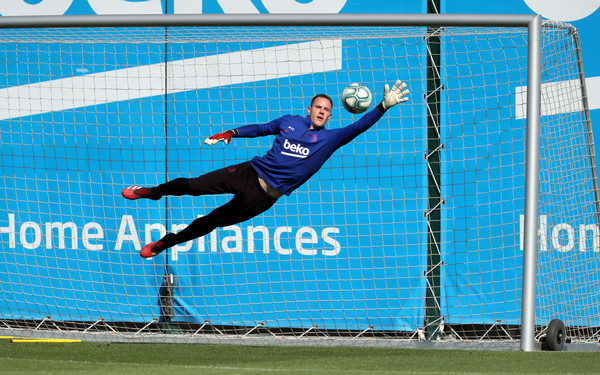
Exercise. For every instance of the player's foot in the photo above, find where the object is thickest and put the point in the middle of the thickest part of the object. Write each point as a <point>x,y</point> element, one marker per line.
<point>152,249</point>
<point>136,192</point>
<point>155,248</point>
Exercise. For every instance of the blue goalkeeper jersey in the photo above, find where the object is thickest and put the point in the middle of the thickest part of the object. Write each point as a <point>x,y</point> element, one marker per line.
<point>299,152</point>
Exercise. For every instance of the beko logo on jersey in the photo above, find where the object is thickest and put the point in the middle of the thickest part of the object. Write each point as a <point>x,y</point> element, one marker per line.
<point>297,150</point>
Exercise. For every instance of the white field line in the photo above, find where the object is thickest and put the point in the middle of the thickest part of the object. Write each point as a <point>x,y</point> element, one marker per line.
<point>184,75</point>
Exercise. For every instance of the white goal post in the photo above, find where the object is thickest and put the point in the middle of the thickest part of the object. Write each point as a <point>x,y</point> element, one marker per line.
<point>468,215</point>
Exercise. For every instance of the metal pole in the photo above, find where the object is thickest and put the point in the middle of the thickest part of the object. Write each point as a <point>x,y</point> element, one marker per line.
<point>434,175</point>
<point>174,20</point>
<point>532,174</point>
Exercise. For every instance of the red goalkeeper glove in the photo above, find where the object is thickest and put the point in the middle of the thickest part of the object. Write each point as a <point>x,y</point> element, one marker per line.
<point>225,137</point>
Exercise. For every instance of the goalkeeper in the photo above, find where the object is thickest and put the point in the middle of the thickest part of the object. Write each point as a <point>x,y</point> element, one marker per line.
<point>302,145</point>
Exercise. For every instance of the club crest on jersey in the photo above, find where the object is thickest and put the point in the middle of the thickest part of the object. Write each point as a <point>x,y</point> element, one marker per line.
<point>312,138</point>
<point>296,150</point>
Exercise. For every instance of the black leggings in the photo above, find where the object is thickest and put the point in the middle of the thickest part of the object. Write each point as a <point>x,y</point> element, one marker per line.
<point>249,199</point>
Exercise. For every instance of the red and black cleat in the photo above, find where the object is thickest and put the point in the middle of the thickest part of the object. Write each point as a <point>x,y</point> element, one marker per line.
<point>153,249</point>
<point>136,192</point>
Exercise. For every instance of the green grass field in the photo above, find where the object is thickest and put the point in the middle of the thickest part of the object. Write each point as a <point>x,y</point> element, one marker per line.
<point>102,358</point>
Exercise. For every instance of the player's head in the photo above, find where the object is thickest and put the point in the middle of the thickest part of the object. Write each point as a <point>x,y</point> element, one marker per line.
<point>319,111</point>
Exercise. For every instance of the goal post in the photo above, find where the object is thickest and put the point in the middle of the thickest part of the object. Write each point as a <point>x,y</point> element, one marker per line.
<point>532,178</point>
<point>92,104</point>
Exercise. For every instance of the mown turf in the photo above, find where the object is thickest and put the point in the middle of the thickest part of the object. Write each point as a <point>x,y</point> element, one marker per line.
<point>101,358</point>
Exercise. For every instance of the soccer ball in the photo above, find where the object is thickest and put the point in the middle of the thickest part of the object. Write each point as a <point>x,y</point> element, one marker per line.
<point>356,98</point>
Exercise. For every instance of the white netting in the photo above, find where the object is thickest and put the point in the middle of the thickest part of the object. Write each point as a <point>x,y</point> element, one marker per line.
<point>86,112</point>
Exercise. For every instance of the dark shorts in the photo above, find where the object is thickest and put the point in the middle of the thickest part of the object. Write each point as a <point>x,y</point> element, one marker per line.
<point>241,180</point>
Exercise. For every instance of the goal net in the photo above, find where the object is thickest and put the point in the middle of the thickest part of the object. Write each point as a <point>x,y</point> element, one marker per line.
<point>413,231</point>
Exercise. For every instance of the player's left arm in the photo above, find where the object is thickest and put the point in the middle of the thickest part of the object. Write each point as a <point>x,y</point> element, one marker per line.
<point>391,97</point>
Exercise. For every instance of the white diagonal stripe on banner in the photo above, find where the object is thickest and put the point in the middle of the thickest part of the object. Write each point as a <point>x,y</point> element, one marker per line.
<point>184,75</point>
<point>560,97</point>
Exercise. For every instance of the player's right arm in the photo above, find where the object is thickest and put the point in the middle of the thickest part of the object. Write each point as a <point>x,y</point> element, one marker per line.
<point>247,131</point>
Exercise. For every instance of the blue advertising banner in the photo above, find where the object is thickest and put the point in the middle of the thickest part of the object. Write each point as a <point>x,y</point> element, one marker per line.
<point>332,254</point>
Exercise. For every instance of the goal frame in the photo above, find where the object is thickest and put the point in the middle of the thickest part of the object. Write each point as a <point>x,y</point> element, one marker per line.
<point>533,23</point>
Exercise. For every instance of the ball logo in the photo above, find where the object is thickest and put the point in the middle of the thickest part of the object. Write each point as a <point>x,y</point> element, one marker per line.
<point>296,149</point>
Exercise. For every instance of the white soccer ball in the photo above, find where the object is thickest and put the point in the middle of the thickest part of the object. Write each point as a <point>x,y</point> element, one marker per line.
<point>356,98</point>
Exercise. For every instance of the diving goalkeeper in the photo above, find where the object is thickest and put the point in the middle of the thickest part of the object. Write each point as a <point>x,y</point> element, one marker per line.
<point>302,145</point>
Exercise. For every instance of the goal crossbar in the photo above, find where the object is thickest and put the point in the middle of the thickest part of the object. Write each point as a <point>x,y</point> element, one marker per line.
<point>173,20</point>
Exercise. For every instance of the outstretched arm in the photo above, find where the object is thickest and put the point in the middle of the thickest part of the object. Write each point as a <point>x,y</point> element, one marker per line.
<point>396,95</point>
<point>247,131</point>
